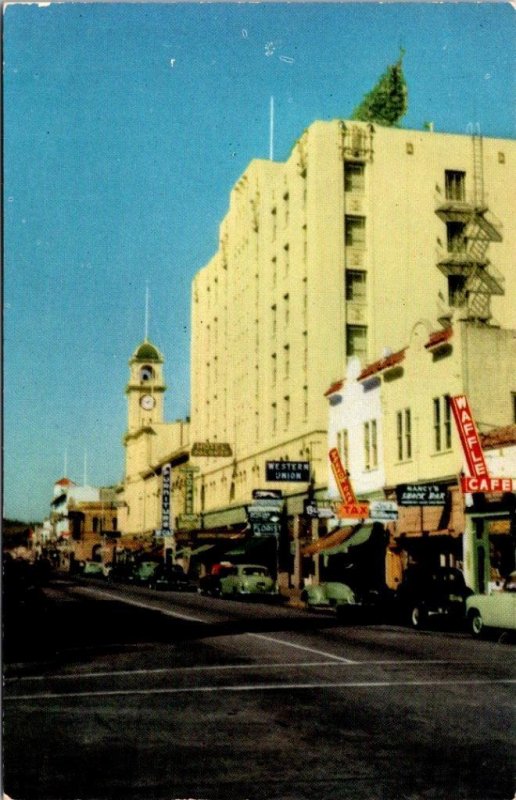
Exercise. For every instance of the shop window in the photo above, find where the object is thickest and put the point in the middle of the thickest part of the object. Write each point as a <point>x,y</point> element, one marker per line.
<point>455,185</point>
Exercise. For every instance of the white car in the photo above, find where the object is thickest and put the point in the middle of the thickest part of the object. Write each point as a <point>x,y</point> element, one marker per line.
<point>247,579</point>
<point>494,610</point>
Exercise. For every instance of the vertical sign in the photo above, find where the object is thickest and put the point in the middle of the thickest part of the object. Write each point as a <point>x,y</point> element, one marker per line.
<point>165,499</point>
<point>342,478</point>
<point>468,436</point>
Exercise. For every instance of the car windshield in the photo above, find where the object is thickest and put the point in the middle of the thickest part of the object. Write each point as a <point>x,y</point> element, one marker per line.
<point>254,571</point>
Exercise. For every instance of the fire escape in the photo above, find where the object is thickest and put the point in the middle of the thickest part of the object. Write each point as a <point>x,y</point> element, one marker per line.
<point>470,227</point>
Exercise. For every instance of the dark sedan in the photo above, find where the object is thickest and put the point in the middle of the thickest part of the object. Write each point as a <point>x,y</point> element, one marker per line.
<point>172,578</point>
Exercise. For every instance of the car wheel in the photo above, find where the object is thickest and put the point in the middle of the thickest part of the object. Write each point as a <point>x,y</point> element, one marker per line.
<point>417,617</point>
<point>476,623</point>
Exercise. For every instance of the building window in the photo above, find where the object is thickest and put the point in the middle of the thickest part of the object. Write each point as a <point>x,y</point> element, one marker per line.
<point>274,369</point>
<point>273,212</point>
<point>95,524</point>
<point>305,402</point>
<point>274,418</point>
<point>286,248</point>
<point>456,287</point>
<point>287,309</point>
<point>442,423</point>
<point>286,406</point>
<point>274,321</point>
<point>455,185</point>
<point>356,285</point>
<point>287,360</point>
<point>404,434</point>
<point>343,447</point>
<point>354,231</point>
<point>370,445</point>
<point>356,341</point>
<point>354,177</point>
<point>456,242</point>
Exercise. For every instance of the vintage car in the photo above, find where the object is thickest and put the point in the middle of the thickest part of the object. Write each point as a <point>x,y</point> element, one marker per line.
<point>171,577</point>
<point>493,611</point>
<point>94,569</point>
<point>331,594</point>
<point>209,584</point>
<point>438,593</point>
<point>143,572</point>
<point>247,579</point>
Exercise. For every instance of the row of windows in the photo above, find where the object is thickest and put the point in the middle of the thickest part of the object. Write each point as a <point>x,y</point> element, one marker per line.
<point>454,181</point>
<point>442,428</point>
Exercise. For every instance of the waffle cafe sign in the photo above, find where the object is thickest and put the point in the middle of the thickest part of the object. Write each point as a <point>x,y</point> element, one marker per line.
<point>478,480</point>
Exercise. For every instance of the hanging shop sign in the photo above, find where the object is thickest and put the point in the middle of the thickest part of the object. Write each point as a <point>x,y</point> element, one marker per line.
<point>317,510</point>
<point>165,498</point>
<point>267,494</point>
<point>212,449</point>
<point>427,494</point>
<point>487,484</point>
<point>353,511</point>
<point>383,510</point>
<point>341,478</point>
<point>292,471</point>
<point>188,522</point>
<point>468,435</point>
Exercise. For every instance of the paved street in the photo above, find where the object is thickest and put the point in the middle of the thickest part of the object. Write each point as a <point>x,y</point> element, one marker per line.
<point>117,692</point>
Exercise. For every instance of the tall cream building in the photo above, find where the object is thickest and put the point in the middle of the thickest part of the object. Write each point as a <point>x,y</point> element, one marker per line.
<point>336,253</point>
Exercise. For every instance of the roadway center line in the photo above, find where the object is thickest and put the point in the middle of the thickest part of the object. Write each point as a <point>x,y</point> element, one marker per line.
<point>266,687</point>
<point>127,673</point>
<point>138,603</point>
<point>302,647</point>
<point>151,607</point>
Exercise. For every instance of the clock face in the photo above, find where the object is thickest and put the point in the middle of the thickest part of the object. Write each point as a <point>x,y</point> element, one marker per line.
<point>147,402</point>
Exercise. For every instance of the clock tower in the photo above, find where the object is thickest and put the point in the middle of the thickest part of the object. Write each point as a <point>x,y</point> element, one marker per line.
<point>145,389</point>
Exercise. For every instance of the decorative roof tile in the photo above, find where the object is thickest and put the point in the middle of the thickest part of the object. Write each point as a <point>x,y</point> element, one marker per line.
<point>500,437</point>
<point>384,363</point>
<point>439,337</point>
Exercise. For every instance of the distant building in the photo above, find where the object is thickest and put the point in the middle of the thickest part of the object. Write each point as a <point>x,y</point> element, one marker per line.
<point>328,256</point>
<point>150,444</point>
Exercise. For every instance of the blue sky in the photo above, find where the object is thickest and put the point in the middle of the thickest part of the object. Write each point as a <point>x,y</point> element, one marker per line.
<point>125,127</point>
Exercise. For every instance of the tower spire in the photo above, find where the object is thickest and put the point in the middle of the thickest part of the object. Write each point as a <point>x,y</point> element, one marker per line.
<point>147,312</point>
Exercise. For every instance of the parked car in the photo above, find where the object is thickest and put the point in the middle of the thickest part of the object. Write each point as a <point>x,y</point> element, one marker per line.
<point>94,569</point>
<point>247,579</point>
<point>372,606</point>
<point>210,583</point>
<point>171,577</point>
<point>425,593</point>
<point>143,572</point>
<point>331,593</point>
<point>495,611</point>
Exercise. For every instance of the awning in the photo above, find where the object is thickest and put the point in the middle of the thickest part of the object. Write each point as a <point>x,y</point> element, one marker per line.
<point>360,537</point>
<point>334,539</point>
<point>202,549</point>
<point>245,547</point>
